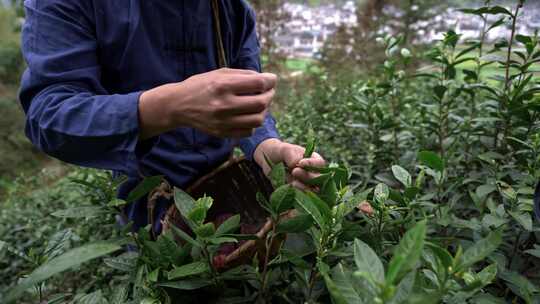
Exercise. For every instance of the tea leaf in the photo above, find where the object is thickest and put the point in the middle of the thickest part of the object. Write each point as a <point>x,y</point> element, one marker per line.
<point>187,284</point>
<point>58,243</point>
<point>183,201</point>
<point>297,224</point>
<point>381,193</point>
<point>488,274</point>
<point>341,288</point>
<point>402,176</point>
<point>229,225</point>
<point>524,219</point>
<point>148,184</point>
<point>278,175</point>
<point>205,231</point>
<point>328,192</point>
<point>310,146</point>
<point>191,269</point>
<point>520,285</point>
<point>315,207</point>
<point>407,253</point>
<point>404,288</point>
<point>367,261</point>
<point>70,259</point>
<point>95,297</point>
<point>442,255</point>
<point>222,240</point>
<point>282,199</point>
<point>153,276</point>
<point>184,236</point>
<point>481,249</point>
<point>535,251</point>
<point>431,160</point>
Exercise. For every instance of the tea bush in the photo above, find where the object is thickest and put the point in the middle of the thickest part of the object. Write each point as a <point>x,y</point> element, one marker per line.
<point>436,206</point>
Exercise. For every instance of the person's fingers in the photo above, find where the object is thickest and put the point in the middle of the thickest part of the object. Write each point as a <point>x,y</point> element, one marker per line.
<point>315,161</point>
<point>237,71</point>
<point>250,84</point>
<point>292,154</point>
<point>303,175</point>
<point>300,186</point>
<point>249,121</point>
<point>248,104</point>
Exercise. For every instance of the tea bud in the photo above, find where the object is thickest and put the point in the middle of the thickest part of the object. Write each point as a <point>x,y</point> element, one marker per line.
<point>401,74</point>
<point>380,40</point>
<point>391,52</point>
<point>405,53</point>
<point>468,278</point>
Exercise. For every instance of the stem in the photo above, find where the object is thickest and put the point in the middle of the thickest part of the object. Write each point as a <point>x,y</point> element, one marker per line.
<point>516,245</point>
<point>502,105</point>
<point>395,105</point>
<point>311,284</point>
<point>209,260</point>
<point>268,244</point>
<point>473,96</point>
<point>379,230</point>
<point>509,52</point>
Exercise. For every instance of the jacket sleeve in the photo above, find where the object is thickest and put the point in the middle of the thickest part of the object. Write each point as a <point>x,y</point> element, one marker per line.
<point>69,114</point>
<point>249,58</point>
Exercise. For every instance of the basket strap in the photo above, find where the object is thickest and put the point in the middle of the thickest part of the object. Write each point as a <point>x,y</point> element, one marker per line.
<point>220,50</point>
<point>221,54</point>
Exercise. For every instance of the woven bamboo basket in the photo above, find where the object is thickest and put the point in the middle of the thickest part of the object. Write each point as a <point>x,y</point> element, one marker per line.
<point>234,187</point>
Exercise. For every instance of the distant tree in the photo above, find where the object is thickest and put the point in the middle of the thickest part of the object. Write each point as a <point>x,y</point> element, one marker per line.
<point>354,48</point>
<point>271,19</point>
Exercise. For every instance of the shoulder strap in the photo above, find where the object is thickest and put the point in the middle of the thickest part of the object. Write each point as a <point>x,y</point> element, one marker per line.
<point>222,56</point>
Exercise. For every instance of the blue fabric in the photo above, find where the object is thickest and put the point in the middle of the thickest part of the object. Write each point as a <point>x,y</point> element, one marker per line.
<point>89,61</point>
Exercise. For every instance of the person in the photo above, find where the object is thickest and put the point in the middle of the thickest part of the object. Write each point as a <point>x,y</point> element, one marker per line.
<point>133,86</point>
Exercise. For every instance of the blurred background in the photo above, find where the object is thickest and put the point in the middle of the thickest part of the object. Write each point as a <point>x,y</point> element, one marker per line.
<point>300,40</point>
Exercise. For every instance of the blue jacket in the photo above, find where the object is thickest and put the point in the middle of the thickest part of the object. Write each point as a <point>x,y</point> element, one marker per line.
<point>88,62</point>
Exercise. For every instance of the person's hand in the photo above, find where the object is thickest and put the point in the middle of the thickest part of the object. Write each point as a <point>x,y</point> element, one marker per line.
<point>226,103</point>
<point>293,157</point>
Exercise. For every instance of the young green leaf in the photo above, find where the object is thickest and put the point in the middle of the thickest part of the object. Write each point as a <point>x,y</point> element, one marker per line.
<point>431,160</point>
<point>143,188</point>
<point>407,253</point>
<point>192,284</point>
<point>341,288</point>
<point>205,231</point>
<point>191,269</point>
<point>367,262</point>
<point>328,192</point>
<point>278,175</point>
<point>381,193</point>
<point>282,199</point>
<point>315,207</point>
<point>184,236</point>
<point>310,146</point>
<point>404,289</point>
<point>183,201</point>
<point>481,249</point>
<point>297,224</point>
<point>402,176</point>
<point>229,225</point>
